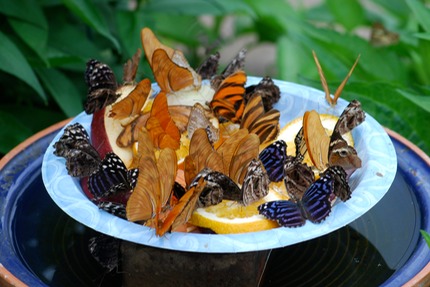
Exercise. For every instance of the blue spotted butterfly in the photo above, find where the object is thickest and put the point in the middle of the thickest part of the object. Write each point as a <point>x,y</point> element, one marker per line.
<point>314,206</point>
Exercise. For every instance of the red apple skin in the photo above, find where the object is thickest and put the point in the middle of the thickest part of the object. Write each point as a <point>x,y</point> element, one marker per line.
<point>99,137</point>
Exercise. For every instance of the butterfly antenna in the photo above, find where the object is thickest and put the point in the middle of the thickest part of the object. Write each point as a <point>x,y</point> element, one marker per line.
<point>323,80</point>
<point>342,85</point>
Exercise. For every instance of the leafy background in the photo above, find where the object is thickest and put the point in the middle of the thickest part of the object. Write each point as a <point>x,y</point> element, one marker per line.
<point>45,44</point>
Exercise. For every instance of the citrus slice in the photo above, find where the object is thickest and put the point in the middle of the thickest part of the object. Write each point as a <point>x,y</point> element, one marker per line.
<point>230,216</point>
<point>290,130</point>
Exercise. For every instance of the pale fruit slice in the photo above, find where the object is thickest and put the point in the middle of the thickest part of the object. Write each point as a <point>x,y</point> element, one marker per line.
<point>230,217</point>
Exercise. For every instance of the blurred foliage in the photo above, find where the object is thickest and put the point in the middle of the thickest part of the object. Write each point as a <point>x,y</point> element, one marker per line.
<point>46,43</point>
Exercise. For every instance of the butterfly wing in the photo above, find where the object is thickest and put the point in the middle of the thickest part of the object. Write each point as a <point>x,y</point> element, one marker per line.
<point>102,86</point>
<point>246,150</point>
<point>82,159</point>
<point>352,116</point>
<point>112,177</point>
<point>131,105</point>
<point>170,76</point>
<point>255,184</point>
<point>160,125</point>
<point>316,200</point>
<point>209,67</point>
<point>130,68</point>
<point>273,158</point>
<point>317,140</point>
<point>228,101</point>
<point>197,119</point>
<point>298,177</point>
<point>286,212</point>
<point>267,89</point>
<point>144,200</point>
<point>341,187</point>
<point>117,209</point>
<point>167,167</point>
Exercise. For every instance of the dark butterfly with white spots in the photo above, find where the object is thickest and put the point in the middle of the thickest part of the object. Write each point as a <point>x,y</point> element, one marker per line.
<point>105,250</point>
<point>314,206</point>
<point>102,86</point>
<point>112,177</point>
<point>74,145</point>
<point>114,208</point>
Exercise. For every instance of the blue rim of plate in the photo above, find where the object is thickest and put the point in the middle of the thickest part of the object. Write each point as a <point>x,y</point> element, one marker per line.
<point>369,184</point>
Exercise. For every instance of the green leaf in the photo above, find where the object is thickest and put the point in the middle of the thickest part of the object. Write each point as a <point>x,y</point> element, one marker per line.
<point>420,100</point>
<point>197,7</point>
<point>424,36</point>
<point>62,90</point>
<point>35,36</point>
<point>25,10</point>
<point>289,59</point>
<point>88,12</point>
<point>421,12</point>
<point>426,236</point>
<point>349,14</point>
<point>13,62</point>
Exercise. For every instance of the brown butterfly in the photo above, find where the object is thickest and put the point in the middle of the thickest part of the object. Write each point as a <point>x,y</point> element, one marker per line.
<point>170,67</point>
<point>130,68</point>
<point>198,119</point>
<point>332,100</point>
<point>160,125</point>
<point>256,120</point>
<point>209,67</point>
<point>333,150</point>
<point>269,92</point>
<point>153,190</point>
<point>237,64</point>
<point>133,103</point>
<point>380,36</point>
<point>228,101</point>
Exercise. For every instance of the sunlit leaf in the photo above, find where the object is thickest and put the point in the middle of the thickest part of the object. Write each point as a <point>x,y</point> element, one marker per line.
<point>426,236</point>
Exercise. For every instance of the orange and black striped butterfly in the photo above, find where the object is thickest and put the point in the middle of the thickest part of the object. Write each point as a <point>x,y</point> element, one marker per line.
<point>256,120</point>
<point>228,101</point>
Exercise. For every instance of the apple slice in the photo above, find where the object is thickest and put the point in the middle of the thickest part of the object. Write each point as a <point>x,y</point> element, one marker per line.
<point>105,131</point>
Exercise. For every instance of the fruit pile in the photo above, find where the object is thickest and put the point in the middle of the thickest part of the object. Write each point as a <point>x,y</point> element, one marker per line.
<point>210,156</point>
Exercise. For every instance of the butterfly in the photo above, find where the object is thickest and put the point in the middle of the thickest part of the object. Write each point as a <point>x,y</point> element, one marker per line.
<point>209,67</point>
<point>256,120</point>
<point>228,101</point>
<point>171,70</point>
<point>82,159</point>
<point>297,176</point>
<point>160,125</point>
<point>130,68</point>
<point>266,88</point>
<point>115,208</point>
<point>102,86</point>
<point>111,178</point>
<point>233,163</point>
<point>236,64</point>
<point>133,103</point>
<point>332,150</point>
<point>332,100</point>
<point>314,206</point>
<point>154,184</point>
<point>198,119</point>
<point>105,250</point>
<point>341,187</point>
<point>381,36</point>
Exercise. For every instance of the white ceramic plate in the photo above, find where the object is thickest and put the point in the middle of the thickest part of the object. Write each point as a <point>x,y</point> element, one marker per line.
<point>369,184</point>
